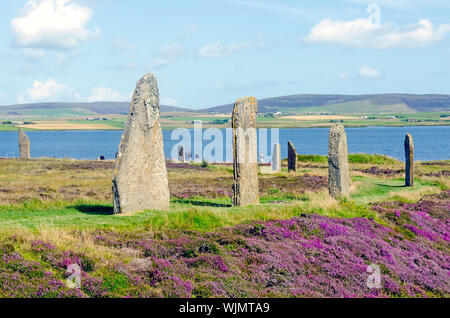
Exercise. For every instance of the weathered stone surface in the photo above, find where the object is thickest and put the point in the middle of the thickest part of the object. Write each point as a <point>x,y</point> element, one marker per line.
<point>140,178</point>
<point>292,157</point>
<point>338,174</point>
<point>24,145</point>
<point>409,154</point>
<point>245,155</point>
<point>181,156</point>
<point>276,158</point>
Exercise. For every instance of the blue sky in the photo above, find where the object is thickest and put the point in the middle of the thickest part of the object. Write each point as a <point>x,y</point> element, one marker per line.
<point>208,53</point>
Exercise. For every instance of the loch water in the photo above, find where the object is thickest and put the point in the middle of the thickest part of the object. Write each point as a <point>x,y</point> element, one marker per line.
<point>431,142</point>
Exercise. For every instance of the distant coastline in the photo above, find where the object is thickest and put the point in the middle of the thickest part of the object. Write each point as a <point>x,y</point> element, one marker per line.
<point>206,126</point>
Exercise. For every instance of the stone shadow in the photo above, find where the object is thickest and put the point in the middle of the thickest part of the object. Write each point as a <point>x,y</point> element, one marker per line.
<point>390,186</point>
<point>203,203</point>
<point>95,209</point>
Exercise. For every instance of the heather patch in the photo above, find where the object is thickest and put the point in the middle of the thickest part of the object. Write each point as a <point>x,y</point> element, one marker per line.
<point>306,256</point>
<point>427,219</point>
<point>443,174</point>
<point>20,277</point>
<point>380,171</point>
<point>87,165</point>
<point>296,185</point>
<point>297,243</point>
<point>284,187</point>
<point>436,163</point>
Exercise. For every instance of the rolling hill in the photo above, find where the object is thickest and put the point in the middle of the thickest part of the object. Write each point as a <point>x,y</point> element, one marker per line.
<point>74,109</point>
<point>293,104</point>
<point>380,103</point>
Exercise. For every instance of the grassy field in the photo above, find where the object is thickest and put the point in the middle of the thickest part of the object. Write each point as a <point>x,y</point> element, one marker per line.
<point>8,127</point>
<point>176,120</point>
<point>55,211</point>
<point>53,192</point>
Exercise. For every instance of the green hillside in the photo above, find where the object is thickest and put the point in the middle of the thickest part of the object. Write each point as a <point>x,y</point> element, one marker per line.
<point>72,109</point>
<point>349,104</point>
<point>288,105</point>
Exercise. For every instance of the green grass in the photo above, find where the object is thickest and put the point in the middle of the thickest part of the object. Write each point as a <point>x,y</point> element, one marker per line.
<point>7,128</point>
<point>423,116</point>
<point>203,214</point>
<point>187,215</point>
<point>352,209</point>
<point>352,158</point>
<point>373,190</point>
<point>312,158</point>
<point>196,213</point>
<point>372,159</point>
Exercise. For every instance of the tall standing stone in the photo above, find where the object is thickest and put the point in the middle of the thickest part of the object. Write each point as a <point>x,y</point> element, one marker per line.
<point>24,145</point>
<point>338,174</point>
<point>409,154</point>
<point>276,158</point>
<point>140,178</point>
<point>245,155</point>
<point>292,157</point>
<point>181,156</point>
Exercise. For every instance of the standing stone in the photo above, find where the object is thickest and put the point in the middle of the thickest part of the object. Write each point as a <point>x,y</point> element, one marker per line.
<point>338,174</point>
<point>276,158</point>
<point>24,145</point>
<point>140,178</point>
<point>292,157</point>
<point>181,157</point>
<point>245,155</point>
<point>409,154</point>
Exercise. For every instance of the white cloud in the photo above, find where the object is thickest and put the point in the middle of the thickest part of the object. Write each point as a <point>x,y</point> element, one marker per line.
<point>47,91</point>
<point>364,33</point>
<point>105,94</point>
<point>368,72</point>
<point>364,72</point>
<point>167,55</point>
<point>169,101</point>
<point>218,49</point>
<point>52,24</point>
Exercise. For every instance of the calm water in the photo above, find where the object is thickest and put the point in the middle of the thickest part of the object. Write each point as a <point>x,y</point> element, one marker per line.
<point>431,143</point>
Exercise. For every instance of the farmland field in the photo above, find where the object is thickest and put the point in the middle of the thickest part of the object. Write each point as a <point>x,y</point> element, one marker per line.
<point>185,120</point>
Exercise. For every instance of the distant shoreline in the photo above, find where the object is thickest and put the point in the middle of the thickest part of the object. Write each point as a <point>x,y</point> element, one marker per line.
<point>207,126</point>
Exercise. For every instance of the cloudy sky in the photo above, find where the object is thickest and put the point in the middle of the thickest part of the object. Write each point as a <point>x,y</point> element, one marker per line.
<point>208,53</point>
